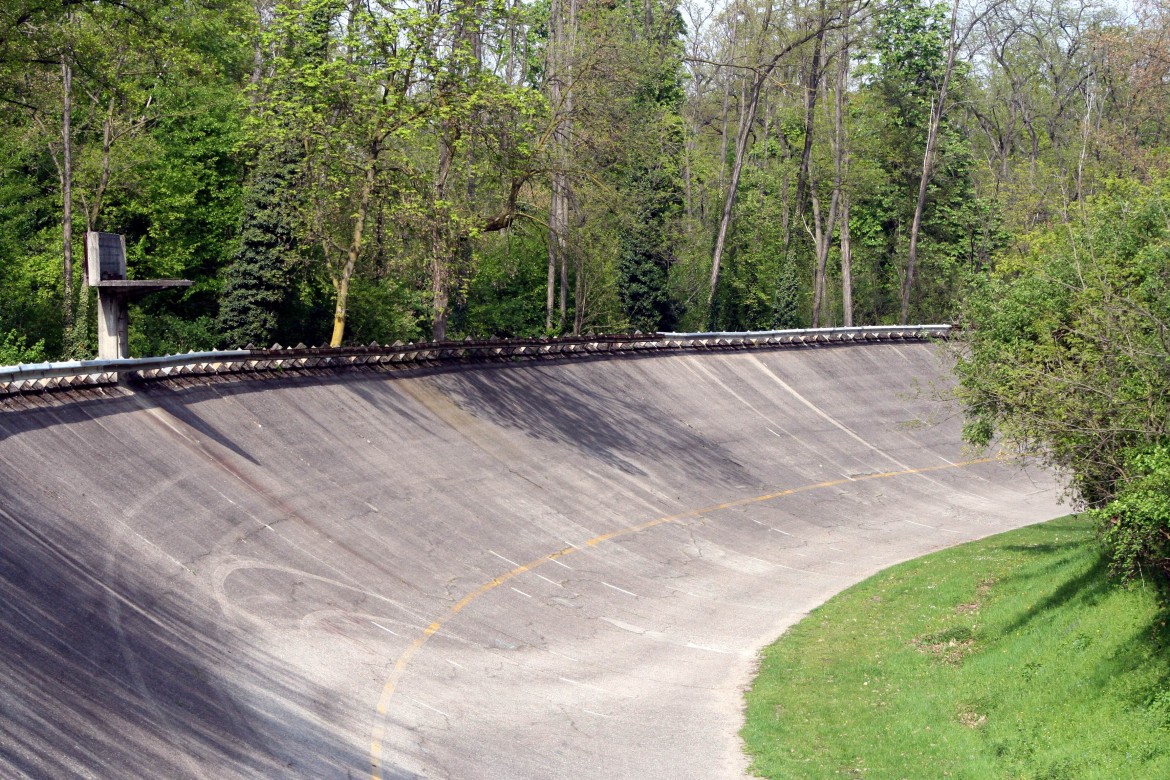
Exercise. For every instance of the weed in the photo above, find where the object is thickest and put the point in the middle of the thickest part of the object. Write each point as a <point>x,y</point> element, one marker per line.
<point>951,645</point>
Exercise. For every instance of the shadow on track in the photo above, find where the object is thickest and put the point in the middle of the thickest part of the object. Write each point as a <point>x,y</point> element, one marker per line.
<point>569,413</point>
<point>107,677</point>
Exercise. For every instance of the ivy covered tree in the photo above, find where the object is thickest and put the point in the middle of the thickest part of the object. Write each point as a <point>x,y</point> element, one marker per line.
<point>646,251</point>
<point>258,278</point>
<point>650,180</point>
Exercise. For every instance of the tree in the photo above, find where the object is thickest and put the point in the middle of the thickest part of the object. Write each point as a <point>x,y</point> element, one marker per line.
<point>918,212</point>
<point>562,58</point>
<point>649,177</point>
<point>95,83</point>
<point>1135,524</point>
<point>339,89</point>
<point>938,106</point>
<point>841,154</point>
<point>767,58</point>
<point>257,280</point>
<point>759,166</point>
<point>1067,357</point>
<point>1040,103</point>
<point>389,106</point>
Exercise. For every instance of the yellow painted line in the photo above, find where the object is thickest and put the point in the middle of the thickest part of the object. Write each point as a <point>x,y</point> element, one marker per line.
<point>412,650</point>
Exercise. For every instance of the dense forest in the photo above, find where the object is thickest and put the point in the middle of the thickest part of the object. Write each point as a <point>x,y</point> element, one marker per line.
<point>373,170</point>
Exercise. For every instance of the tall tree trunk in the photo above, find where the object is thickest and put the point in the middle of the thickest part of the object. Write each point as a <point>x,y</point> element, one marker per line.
<point>806,186</point>
<point>1086,128</point>
<point>441,248</point>
<point>556,55</point>
<point>556,23</point>
<point>741,142</point>
<point>67,199</point>
<point>812,89</point>
<point>822,234</point>
<point>262,22</point>
<point>846,264</point>
<point>353,252</point>
<point>450,242</point>
<point>557,253</point>
<point>93,209</point>
<point>727,101</point>
<point>723,134</point>
<point>747,119</point>
<point>566,186</point>
<point>510,68</point>
<point>551,286</point>
<point>841,172</point>
<point>562,248</point>
<point>580,291</point>
<point>440,297</point>
<point>579,297</point>
<point>928,165</point>
<point>561,55</point>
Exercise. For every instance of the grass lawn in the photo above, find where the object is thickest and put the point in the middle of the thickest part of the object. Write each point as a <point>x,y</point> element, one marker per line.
<point>1011,657</point>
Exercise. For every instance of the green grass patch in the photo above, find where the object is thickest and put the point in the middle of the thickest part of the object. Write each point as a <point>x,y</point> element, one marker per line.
<point>1011,657</point>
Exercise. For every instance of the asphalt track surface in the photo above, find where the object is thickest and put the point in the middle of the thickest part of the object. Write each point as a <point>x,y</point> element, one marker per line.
<point>535,571</point>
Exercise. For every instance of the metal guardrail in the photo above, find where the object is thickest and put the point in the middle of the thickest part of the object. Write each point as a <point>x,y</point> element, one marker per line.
<point>922,331</point>
<point>75,368</point>
<point>38,377</point>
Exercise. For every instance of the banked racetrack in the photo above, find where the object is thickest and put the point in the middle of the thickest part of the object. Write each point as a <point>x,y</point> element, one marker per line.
<point>545,570</point>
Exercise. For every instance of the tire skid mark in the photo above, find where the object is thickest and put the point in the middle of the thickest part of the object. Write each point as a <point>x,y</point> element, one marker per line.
<point>404,660</point>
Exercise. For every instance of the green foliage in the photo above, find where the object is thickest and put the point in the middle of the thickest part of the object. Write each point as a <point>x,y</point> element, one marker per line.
<point>30,272</point>
<point>155,112</point>
<point>505,295</point>
<point>14,349</point>
<point>1068,356</point>
<point>1135,525</point>
<point>385,310</point>
<point>403,132</point>
<point>891,114</point>
<point>911,44</point>
<point>761,287</point>
<point>423,138</point>
<point>156,331</point>
<point>182,218</point>
<point>1009,657</point>
<point>653,205</point>
<point>623,162</point>
<point>599,242</point>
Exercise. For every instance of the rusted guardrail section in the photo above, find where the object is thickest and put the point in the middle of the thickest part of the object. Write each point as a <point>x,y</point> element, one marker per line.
<point>40,377</point>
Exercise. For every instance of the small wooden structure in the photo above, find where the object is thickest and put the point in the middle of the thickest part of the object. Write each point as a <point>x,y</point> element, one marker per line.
<point>106,258</point>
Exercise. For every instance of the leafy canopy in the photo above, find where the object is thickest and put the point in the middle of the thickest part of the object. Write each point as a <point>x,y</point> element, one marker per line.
<point>1069,358</point>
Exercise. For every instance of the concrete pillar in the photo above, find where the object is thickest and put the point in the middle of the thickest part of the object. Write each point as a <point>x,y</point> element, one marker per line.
<point>113,325</point>
<point>105,254</point>
<point>105,257</point>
